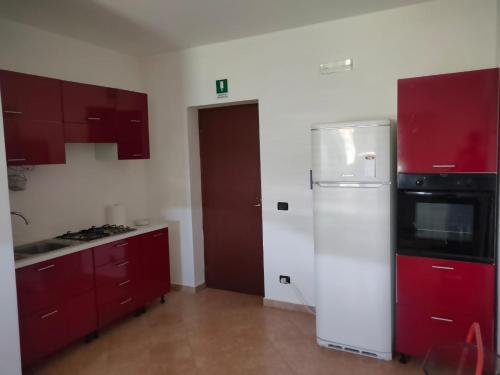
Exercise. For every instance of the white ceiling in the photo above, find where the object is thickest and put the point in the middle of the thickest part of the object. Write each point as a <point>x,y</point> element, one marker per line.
<point>142,27</point>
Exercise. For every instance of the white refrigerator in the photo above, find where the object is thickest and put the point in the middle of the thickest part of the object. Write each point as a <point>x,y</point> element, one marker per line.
<point>353,236</point>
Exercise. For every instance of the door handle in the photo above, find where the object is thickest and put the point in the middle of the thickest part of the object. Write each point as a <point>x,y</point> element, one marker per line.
<point>257,205</point>
<point>136,121</point>
<point>93,118</point>
<point>12,112</point>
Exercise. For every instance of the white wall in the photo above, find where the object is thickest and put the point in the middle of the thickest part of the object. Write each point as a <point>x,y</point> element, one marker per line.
<point>10,357</point>
<point>280,70</point>
<point>72,196</point>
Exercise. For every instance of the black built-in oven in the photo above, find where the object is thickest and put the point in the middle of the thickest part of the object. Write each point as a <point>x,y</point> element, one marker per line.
<point>450,216</point>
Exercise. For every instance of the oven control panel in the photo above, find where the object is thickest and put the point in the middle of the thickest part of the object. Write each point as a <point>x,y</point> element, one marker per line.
<point>448,182</point>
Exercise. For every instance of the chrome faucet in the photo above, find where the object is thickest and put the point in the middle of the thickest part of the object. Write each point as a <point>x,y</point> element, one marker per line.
<point>21,216</point>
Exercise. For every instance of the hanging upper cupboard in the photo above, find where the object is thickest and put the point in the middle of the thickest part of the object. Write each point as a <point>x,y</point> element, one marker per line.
<point>448,123</point>
<point>42,114</point>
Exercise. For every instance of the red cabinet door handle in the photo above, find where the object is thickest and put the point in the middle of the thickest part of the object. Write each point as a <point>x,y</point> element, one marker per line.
<point>93,118</point>
<point>122,264</point>
<point>12,112</point>
<point>46,267</point>
<point>443,268</point>
<point>442,319</point>
<point>136,121</point>
<point>45,316</point>
<point>126,301</point>
<point>122,244</point>
<point>16,159</point>
<point>124,283</point>
<point>158,235</point>
<point>444,166</point>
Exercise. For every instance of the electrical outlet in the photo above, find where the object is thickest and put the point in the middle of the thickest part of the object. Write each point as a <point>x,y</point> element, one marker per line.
<point>283,206</point>
<point>284,279</point>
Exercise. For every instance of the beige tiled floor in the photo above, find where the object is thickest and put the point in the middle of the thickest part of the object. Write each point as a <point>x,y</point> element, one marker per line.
<point>213,332</point>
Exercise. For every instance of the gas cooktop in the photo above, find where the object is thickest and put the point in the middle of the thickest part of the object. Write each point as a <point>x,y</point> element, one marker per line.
<point>94,233</point>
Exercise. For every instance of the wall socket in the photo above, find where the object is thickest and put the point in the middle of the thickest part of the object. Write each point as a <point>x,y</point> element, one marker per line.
<point>284,279</point>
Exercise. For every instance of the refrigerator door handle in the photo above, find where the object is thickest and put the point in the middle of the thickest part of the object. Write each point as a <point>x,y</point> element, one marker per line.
<point>350,184</point>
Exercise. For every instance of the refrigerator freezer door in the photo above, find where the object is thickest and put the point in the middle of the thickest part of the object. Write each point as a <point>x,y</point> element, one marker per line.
<point>352,233</point>
<point>350,153</point>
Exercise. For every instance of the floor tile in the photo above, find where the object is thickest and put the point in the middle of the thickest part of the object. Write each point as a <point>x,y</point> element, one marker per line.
<point>213,332</point>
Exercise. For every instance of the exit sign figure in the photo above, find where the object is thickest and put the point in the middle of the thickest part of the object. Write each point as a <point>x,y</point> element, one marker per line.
<point>221,88</point>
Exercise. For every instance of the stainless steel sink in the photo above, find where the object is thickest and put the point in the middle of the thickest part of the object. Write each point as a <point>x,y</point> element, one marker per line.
<point>41,247</point>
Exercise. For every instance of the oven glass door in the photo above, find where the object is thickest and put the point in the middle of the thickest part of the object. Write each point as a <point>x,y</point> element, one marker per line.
<point>451,225</point>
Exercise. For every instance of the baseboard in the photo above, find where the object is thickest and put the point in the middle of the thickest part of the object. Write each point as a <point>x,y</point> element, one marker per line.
<point>288,306</point>
<point>188,289</point>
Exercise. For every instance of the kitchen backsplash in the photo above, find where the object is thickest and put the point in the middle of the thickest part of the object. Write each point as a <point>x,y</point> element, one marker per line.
<point>73,196</point>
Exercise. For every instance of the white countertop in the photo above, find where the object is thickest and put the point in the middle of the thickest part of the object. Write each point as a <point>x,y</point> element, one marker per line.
<point>33,259</point>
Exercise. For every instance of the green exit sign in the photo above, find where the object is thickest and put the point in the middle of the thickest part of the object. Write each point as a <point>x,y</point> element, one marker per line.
<point>221,88</point>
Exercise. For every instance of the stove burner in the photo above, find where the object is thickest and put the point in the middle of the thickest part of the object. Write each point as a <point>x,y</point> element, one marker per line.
<point>94,233</point>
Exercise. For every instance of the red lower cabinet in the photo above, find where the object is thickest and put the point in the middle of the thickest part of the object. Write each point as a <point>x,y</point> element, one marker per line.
<point>118,278</point>
<point>47,283</point>
<point>157,265</point>
<point>66,298</point>
<point>437,301</point>
<point>418,329</point>
<point>52,328</point>
<point>131,273</point>
<point>57,304</point>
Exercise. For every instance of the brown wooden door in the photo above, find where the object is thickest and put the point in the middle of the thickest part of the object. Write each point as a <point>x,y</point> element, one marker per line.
<point>232,214</point>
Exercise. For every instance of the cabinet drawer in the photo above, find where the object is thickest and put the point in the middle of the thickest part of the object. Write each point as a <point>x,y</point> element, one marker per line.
<point>48,283</point>
<point>464,287</point>
<point>114,252</point>
<point>418,330</point>
<point>56,326</point>
<point>118,308</point>
<point>117,272</point>
<point>118,292</point>
<point>117,281</point>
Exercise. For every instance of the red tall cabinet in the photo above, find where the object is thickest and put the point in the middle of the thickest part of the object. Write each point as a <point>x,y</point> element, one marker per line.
<point>447,124</point>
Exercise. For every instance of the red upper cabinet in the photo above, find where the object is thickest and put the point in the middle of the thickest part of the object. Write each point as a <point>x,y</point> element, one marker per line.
<point>132,125</point>
<point>89,113</point>
<point>449,123</point>
<point>32,116</point>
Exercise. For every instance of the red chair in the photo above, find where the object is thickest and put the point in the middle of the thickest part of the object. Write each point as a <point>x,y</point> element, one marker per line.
<point>466,358</point>
<point>473,335</point>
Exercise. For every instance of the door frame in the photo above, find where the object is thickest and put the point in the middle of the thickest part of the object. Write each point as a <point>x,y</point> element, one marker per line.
<point>195,193</point>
